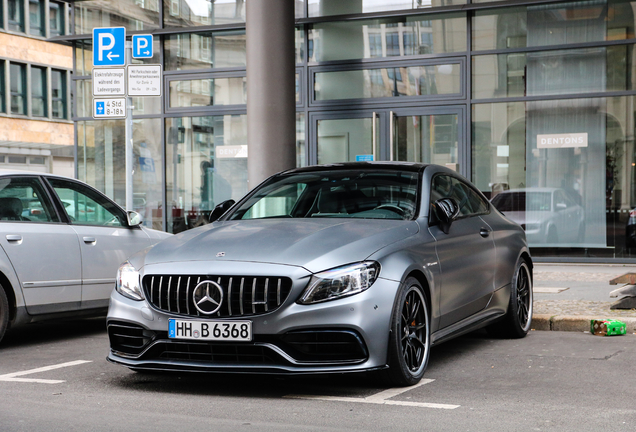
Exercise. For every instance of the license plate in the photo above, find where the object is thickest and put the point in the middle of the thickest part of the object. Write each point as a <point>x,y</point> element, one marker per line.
<point>210,330</point>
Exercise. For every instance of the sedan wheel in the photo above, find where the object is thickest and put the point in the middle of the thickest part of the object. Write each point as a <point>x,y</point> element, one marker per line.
<point>518,319</point>
<point>4,312</point>
<point>410,341</point>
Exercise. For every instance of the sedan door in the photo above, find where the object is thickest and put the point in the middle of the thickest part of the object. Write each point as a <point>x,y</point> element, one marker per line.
<point>466,254</point>
<point>105,238</point>
<point>43,251</point>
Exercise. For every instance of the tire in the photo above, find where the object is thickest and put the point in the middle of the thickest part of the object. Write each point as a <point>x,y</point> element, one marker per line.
<point>518,319</point>
<point>410,337</point>
<point>4,313</point>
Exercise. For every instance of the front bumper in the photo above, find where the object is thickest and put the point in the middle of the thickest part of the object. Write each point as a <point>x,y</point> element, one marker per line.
<point>345,335</point>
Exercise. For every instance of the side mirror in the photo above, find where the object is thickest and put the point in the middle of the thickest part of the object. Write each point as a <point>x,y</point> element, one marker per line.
<point>561,206</point>
<point>134,219</point>
<point>446,210</point>
<point>220,209</point>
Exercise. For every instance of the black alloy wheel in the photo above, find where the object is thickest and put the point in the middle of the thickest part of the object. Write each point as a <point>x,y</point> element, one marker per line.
<point>518,320</point>
<point>410,339</point>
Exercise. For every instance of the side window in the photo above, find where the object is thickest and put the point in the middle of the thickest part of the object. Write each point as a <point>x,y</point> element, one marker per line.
<point>470,203</point>
<point>84,206</point>
<point>23,199</point>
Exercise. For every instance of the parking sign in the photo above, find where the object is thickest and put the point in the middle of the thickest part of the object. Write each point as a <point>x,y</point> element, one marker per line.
<point>109,45</point>
<point>142,46</point>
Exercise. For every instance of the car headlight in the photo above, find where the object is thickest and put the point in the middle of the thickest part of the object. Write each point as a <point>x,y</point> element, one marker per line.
<point>127,282</point>
<point>340,282</point>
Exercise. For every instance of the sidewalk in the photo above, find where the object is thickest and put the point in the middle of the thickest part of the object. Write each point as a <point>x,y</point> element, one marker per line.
<point>568,296</point>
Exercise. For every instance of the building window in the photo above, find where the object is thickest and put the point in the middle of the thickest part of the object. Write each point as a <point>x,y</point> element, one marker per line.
<point>16,15</point>
<point>38,92</point>
<point>56,19</point>
<point>17,75</point>
<point>58,94</point>
<point>37,26</point>
<point>3,109</point>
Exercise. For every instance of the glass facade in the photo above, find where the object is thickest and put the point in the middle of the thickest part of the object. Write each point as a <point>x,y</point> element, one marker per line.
<point>533,102</point>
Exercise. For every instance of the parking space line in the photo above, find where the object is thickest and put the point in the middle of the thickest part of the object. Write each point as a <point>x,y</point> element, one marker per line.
<point>12,376</point>
<point>381,398</point>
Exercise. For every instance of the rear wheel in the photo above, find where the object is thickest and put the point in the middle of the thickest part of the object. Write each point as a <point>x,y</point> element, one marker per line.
<point>518,319</point>
<point>410,338</point>
<point>4,312</point>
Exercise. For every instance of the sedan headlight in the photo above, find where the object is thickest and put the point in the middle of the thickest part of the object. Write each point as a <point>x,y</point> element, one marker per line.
<point>340,282</point>
<point>127,282</point>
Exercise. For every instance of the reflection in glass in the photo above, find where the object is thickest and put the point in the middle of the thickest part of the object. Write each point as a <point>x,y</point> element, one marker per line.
<point>545,162</point>
<point>388,37</point>
<point>208,92</point>
<point>553,24</point>
<point>583,70</point>
<point>343,140</point>
<point>191,13</point>
<point>83,57</point>
<point>206,164</point>
<point>101,163</point>
<point>301,152</point>
<point>131,14</point>
<point>388,82</point>
<point>83,98</point>
<point>205,50</point>
<point>426,138</point>
<point>338,7</point>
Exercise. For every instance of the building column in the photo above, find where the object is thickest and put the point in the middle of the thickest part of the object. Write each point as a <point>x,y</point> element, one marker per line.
<point>271,89</point>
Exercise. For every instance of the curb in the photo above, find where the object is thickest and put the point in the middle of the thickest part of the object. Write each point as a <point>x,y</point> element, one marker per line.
<point>578,323</point>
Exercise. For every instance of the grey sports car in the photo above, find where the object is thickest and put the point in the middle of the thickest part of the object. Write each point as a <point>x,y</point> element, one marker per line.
<point>327,269</point>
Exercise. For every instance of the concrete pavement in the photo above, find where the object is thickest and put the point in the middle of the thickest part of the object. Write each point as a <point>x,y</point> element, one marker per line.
<point>568,296</point>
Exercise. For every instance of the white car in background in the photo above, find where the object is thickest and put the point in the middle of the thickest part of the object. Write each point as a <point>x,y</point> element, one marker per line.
<point>548,215</point>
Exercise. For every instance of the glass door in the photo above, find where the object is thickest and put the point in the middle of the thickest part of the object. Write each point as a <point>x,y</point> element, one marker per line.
<point>428,136</point>
<point>424,135</point>
<point>349,137</point>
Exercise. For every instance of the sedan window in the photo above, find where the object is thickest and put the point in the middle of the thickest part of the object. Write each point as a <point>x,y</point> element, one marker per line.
<point>23,199</point>
<point>470,202</point>
<point>85,206</point>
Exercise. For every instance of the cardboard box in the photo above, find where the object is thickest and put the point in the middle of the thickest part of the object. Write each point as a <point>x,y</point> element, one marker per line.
<point>607,327</point>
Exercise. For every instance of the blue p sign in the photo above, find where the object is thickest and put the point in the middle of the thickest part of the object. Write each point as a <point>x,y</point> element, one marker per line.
<point>142,46</point>
<point>109,45</point>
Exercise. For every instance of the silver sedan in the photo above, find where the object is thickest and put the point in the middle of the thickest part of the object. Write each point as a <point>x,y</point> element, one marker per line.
<point>61,242</point>
<point>327,269</point>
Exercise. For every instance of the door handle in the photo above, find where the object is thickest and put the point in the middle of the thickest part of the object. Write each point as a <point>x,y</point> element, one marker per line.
<point>14,237</point>
<point>391,136</point>
<point>89,240</point>
<point>484,232</point>
<point>373,132</point>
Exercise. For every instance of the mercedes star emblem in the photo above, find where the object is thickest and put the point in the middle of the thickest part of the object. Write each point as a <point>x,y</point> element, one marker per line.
<point>207,297</point>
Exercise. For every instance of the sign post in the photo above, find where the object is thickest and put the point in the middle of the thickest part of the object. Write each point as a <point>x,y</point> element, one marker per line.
<point>112,49</point>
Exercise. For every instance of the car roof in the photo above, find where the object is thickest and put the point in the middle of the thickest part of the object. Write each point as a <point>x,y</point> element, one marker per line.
<point>379,165</point>
<point>9,172</point>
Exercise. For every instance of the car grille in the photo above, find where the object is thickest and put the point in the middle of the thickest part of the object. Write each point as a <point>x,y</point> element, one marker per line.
<point>242,295</point>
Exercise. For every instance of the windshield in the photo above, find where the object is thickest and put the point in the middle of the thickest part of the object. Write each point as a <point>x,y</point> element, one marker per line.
<point>334,194</point>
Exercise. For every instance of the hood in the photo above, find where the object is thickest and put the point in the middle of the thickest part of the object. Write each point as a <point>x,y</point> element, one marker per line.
<point>315,244</point>
<point>530,217</point>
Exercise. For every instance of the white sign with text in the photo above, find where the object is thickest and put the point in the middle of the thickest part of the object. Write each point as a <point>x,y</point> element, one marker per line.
<point>562,140</point>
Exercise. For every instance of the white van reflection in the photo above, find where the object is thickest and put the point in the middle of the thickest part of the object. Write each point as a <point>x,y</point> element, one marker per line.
<point>548,215</point>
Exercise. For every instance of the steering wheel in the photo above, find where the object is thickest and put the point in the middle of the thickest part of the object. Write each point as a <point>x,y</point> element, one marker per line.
<point>392,207</point>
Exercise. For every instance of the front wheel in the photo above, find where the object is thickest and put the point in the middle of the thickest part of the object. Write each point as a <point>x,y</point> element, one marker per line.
<point>410,338</point>
<point>517,321</point>
<point>4,312</point>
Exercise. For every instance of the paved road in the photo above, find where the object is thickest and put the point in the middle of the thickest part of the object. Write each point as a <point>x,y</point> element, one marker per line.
<point>550,381</point>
